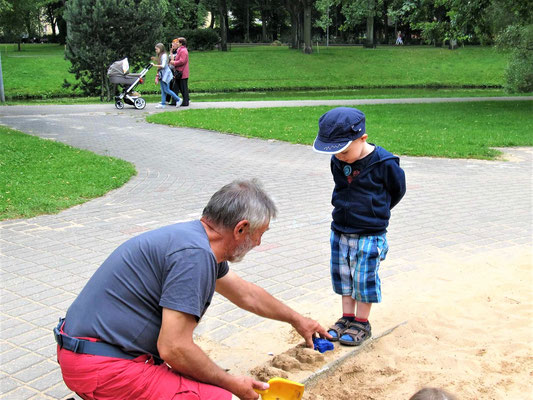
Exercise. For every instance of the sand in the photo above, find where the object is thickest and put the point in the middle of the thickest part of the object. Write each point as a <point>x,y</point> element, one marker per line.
<point>469,330</point>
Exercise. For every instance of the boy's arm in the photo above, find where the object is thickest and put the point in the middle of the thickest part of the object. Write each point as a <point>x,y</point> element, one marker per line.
<point>395,182</point>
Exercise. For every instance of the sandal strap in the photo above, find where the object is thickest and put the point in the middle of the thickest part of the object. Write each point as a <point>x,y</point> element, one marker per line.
<point>337,328</point>
<point>354,328</point>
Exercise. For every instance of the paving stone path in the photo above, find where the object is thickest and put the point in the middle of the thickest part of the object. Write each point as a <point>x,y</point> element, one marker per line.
<point>459,207</point>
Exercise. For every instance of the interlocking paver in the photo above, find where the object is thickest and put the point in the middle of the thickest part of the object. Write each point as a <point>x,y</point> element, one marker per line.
<point>20,393</point>
<point>35,371</point>
<point>45,261</point>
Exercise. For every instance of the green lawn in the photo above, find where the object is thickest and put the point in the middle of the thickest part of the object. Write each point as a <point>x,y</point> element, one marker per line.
<point>39,176</point>
<point>454,130</point>
<point>40,69</point>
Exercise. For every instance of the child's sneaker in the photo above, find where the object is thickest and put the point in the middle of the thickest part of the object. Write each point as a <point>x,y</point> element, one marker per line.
<point>160,106</point>
<point>178,103</point>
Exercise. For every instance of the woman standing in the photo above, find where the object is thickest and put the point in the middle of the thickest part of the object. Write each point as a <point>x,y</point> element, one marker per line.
<point>164,75</point>
<point>181,63</point>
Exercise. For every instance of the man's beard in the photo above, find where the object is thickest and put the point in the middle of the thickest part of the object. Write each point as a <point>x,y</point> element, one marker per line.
<point>241,251</point>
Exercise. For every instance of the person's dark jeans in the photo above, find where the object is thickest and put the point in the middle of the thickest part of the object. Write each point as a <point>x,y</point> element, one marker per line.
<point>183,88</point>
<point>180,86</point>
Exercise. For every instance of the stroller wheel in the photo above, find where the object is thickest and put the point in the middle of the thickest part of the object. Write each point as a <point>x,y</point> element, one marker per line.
<point>119,104</point>
<point>139,103</point>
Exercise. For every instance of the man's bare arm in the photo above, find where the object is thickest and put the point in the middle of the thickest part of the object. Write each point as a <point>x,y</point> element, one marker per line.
<point>253,298</point>
<point>176,346</point>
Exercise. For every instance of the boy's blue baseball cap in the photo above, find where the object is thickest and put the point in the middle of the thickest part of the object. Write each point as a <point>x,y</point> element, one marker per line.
<point>338,128</point>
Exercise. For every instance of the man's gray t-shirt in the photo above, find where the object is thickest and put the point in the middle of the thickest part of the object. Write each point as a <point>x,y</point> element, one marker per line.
<point>171,267</point>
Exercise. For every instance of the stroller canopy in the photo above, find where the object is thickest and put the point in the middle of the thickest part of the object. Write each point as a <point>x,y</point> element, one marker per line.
<point>121,67</point>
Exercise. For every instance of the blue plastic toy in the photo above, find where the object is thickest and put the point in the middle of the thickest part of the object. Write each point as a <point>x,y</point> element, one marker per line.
<point>322,345</point>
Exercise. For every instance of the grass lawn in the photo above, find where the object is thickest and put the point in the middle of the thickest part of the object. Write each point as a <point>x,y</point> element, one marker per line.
<point>40,69</point>
<point>453,130</point>
<point>39,176</point>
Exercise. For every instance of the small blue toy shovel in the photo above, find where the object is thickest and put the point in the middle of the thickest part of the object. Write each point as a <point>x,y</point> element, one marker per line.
<point>282,389</point>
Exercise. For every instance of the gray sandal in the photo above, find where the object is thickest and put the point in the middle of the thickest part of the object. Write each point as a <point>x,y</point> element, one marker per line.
<point>340,326</point>
<point>357,332</point>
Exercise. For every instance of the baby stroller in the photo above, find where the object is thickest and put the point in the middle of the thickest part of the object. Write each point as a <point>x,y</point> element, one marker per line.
<point>118,74</point>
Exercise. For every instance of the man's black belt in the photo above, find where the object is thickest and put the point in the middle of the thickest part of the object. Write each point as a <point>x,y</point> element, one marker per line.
<point>86,346</point>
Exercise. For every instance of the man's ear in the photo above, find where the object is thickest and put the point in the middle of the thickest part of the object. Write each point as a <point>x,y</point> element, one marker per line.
<point>241,228</point>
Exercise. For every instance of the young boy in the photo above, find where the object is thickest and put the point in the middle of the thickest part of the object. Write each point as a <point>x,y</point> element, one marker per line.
<point>368,184</point>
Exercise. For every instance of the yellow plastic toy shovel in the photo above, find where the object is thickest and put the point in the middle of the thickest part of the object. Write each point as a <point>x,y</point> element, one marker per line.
<point>282,389</point>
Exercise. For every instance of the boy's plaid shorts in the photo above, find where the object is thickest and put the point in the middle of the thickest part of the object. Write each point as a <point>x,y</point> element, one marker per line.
<point>354,265</point>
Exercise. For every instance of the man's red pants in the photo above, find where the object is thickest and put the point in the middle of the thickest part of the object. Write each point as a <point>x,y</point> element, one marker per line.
<point>108,378</point>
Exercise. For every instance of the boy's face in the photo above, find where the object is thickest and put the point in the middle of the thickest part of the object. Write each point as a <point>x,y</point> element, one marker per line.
<point>355,151</point>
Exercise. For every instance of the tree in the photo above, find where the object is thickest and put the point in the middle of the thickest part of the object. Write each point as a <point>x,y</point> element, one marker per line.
<point>103,31</point>
<point>358,11</point>
<point>307,10</point>
<point>183,14</point>
<point>294,8</point>
<point>324,21</point>
<point>18,17</point>
<point>53,10</point>
<point>223,16</point>
<point>513,25</point>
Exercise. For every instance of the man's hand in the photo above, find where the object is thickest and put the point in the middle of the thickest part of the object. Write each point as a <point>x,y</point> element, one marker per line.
<point>307,328</point>
<point>243,387</point>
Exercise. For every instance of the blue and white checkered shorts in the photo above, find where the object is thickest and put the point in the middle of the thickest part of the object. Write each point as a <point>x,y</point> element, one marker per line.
<point>355,262</point>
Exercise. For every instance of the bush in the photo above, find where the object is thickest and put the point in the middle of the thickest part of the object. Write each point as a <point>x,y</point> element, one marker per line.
<point>519,72</point>
<point>200,39</point>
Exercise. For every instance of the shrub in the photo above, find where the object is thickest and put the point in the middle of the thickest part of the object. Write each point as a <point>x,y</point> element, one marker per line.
<point>519,71</point>
<point>200,39</point>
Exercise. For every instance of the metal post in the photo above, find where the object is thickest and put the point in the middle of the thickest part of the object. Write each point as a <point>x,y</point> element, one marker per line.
<point>2,96</point>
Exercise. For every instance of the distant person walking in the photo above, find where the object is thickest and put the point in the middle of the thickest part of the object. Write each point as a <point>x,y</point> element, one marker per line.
<point>399,40</point>
<point>164,75</point>
<point>180,61</point>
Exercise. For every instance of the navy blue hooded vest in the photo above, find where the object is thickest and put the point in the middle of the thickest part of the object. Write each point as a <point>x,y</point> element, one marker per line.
<point>363,201</point>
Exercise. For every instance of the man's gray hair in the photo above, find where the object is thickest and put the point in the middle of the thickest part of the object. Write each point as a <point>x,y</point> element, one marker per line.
<point>240,200</point>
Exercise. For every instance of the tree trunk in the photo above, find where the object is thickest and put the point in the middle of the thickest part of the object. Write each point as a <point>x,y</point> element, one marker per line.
<point>385,24</point>
<point>223,10</point>
<point>294,31</point>
<point>292,7</point>
<point>247,23</point>
<point>52,20</point>
<point>370,40</point>
<point>308,46</point>
<point>102,86</point>
<point>213,17</point>
<point>264,38</point>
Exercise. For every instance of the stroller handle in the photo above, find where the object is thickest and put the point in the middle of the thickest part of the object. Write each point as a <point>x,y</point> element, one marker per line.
<point>148,66</point>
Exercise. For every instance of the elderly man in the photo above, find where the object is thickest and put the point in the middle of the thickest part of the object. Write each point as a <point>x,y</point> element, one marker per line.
<point>129,333</point>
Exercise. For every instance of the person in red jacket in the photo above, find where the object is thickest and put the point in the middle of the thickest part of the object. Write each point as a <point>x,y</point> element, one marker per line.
<point>180,61</point>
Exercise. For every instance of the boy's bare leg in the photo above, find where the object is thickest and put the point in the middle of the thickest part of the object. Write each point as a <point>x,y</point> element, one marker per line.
<point>363,310</point>
<point>348,305</point>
